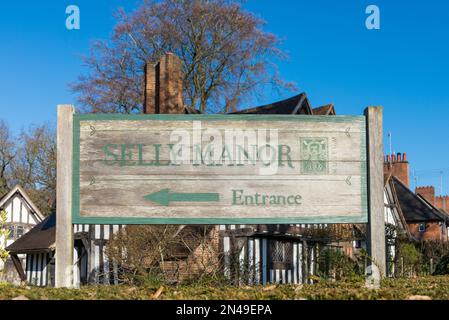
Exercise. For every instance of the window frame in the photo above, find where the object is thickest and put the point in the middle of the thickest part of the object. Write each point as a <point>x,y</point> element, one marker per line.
<point>422,227</point>
<point>12,232</point>
<point>22,228</point>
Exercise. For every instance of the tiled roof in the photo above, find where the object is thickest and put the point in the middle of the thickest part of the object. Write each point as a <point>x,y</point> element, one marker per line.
<point>295,105</point>
<point>327,110</point>
<point>414,207</point>
<point>41,238</point>
<point>298,104</point>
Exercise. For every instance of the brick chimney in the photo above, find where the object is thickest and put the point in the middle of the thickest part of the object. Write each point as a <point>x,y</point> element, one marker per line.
<point>163,86</point>
<point>427,193</point>
<point>442,202</point>
<point>397,165</point>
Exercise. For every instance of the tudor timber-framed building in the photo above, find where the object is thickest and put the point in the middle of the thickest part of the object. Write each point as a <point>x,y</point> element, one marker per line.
<point>22,216</point>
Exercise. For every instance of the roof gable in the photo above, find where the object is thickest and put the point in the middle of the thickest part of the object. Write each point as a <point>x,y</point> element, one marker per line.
<point>30,203</point>
<point>394,205</point>
<point>327,110</point>
<point>298,104</point>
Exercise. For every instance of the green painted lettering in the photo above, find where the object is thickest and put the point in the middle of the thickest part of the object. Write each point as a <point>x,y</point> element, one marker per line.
<point>284,151</point>
<point>244,156</point>
<point>113,158</point>
<point>205,157</point>
<point>173,155</point>
<point>127,155</point>
<point>237,197</point>
<point>226,156</point>
<point>141,159</point>
<point>157,151</point>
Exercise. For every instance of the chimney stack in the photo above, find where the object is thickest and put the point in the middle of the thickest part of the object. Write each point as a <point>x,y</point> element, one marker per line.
<point>149,105</point>
<point>442,202</point>
<point>163,86</point>
<point>397,165</point>
<point>427,193</point>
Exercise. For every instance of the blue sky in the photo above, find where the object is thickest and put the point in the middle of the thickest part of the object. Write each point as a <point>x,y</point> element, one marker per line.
<point>404,66</point>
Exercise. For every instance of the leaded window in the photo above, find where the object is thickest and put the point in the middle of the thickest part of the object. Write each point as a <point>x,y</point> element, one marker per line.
<point>281,254</point>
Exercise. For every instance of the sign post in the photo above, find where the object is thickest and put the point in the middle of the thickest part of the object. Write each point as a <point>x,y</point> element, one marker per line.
<point>64,228</point>
<point>376,224</point>
<point>199,169</point>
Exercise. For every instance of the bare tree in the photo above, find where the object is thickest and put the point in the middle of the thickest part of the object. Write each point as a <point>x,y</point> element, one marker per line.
<point>35,165</point>
<point>7,155</point>
<point>30,161</point>
<point>226,56</point>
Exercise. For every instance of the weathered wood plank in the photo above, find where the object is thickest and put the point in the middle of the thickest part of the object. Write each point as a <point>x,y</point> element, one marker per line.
<point>64,230</point>
<point>340,197</point>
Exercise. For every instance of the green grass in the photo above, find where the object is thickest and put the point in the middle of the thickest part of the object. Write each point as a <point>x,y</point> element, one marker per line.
<point>434,287</point>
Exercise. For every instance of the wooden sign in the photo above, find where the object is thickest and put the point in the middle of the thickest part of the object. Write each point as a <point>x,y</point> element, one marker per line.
<point>197,169</point>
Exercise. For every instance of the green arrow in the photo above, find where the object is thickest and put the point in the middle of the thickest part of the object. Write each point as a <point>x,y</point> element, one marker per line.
<point>164,197</point>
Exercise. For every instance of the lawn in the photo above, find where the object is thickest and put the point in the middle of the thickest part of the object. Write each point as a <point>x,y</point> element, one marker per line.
<point>418,288</point>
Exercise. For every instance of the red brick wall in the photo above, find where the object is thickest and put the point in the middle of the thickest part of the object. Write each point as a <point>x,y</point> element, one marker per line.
<point>434,231</point>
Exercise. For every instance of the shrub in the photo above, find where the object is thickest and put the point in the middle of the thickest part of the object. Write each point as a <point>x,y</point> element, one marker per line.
<point>4,234</point>
<point>336,264</point>
<point>434,251</point>
<point>442,267</point>
<point>164,254</point>
<point>411,258</point>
